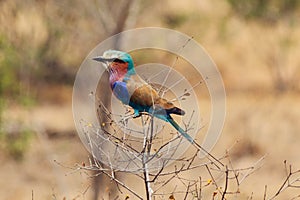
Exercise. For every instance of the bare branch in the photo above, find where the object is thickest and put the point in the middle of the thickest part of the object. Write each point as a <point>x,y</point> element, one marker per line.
<point>226,184</point>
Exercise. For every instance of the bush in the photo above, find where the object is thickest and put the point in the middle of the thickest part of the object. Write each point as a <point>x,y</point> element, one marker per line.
<point>265,10</point>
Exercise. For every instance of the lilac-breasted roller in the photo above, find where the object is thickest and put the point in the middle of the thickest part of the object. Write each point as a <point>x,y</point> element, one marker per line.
<point>132,90</point>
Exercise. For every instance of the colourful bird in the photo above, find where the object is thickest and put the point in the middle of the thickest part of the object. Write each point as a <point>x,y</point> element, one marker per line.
<point>132,90</point>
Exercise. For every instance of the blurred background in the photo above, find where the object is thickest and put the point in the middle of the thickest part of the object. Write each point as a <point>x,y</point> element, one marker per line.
<point>255,44</point>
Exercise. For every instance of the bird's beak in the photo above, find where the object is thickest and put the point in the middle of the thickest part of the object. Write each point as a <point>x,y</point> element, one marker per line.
<point>106,61</point>
<point>103,59</point>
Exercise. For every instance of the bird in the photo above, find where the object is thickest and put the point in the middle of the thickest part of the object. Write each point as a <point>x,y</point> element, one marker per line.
<point>132,90</point>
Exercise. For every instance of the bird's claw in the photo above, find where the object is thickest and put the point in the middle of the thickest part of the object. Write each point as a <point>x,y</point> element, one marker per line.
<point>136,114</point>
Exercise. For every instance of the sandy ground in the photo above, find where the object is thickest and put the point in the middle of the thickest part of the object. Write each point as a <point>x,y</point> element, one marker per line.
<point>262,125</point>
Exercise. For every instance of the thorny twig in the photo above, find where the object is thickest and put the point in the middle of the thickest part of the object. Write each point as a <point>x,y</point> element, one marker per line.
<point>289,181</point>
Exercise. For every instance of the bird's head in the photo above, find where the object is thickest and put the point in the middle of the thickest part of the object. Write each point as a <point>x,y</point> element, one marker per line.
<point>110,57</point>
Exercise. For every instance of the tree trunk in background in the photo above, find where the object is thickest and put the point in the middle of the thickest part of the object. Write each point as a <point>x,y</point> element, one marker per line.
<point>102,185</point>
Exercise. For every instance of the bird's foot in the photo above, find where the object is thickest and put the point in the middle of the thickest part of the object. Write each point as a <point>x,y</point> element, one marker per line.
<point>136,114</point>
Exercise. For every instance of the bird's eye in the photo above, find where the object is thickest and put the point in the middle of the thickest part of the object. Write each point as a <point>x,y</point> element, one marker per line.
<point>119,60</point>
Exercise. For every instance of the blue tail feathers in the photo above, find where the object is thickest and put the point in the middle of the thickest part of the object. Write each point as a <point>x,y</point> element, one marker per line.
<point>180,130</point>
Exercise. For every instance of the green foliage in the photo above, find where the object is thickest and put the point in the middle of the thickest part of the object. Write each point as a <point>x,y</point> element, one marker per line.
<point>9,69</point>
<point>265,10</point>
<point>30,53</point>
<point>15,144</point>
